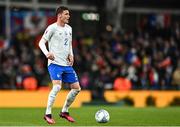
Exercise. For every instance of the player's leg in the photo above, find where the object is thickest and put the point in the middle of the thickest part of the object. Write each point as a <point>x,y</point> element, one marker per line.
<point>51,98</point>
<point>52,95</point>
<point>75,89</point>
<point>70,77</point>
<point>55,74</point>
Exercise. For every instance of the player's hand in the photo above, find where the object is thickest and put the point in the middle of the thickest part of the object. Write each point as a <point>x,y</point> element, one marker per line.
<point>70,60</point>
<point>50,56</point>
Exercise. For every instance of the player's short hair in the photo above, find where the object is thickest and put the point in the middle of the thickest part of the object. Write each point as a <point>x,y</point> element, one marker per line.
<point>61,9</point>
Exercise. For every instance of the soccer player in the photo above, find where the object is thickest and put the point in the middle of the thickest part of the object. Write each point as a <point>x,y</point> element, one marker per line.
<point>60,61</point>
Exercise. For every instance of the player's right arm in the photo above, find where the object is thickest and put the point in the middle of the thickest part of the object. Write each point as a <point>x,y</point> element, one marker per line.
<point>42,43</point>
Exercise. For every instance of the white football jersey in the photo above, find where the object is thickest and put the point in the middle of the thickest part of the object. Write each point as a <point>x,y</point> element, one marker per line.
<point>59,43</point>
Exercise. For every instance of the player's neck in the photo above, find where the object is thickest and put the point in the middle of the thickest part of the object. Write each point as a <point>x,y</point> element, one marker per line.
<point>59,23</point>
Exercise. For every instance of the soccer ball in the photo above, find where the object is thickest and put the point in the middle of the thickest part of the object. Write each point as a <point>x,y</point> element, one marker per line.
<point>102,116</point>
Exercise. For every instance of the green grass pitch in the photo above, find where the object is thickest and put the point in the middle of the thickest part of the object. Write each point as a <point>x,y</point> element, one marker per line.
<point>84,116</point>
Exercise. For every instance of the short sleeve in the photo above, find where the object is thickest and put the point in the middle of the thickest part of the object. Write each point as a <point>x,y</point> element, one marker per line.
<point>48,33</point>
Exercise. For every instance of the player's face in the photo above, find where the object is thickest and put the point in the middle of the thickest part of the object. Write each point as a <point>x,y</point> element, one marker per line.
<point>65,16</point>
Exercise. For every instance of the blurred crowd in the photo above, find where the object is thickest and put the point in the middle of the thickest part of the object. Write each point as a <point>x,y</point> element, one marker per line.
<point>148,58</point>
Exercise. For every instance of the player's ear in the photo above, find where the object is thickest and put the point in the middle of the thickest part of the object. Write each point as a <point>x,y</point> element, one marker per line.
<point>59,15</point>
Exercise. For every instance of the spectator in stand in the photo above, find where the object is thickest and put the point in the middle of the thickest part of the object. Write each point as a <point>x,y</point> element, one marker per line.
<point>147,55</point>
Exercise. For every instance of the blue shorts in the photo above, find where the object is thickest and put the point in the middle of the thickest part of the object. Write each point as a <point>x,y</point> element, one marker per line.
<point>64,73</point>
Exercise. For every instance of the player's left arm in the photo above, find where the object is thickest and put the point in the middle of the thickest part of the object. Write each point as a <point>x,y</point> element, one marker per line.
<point>71,55</point>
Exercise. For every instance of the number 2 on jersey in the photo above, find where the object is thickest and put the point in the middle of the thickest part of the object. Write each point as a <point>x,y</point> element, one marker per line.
<point>65,41</point>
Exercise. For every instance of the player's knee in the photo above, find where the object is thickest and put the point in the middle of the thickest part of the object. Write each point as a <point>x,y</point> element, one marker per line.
<point>76,86</point>
<point>56,87</point>
<point>55,90</point>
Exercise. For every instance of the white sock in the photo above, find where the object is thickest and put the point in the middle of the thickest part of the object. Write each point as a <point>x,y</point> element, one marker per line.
<point>69,99</point>
<point>51,98</point>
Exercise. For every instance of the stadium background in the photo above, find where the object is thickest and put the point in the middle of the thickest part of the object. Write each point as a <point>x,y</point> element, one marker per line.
<point>127,52</point>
